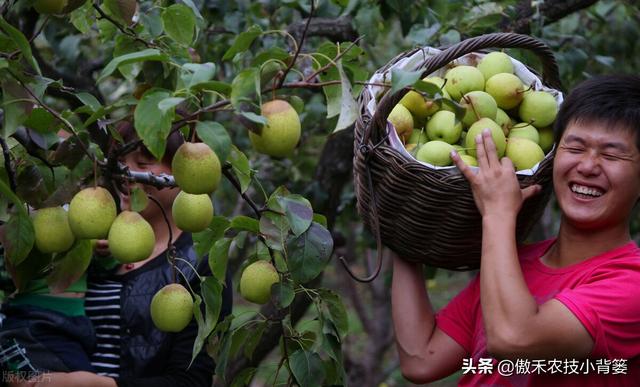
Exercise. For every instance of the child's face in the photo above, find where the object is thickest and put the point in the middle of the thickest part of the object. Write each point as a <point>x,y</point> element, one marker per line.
<point>141,162</point>
<point>596,175</point>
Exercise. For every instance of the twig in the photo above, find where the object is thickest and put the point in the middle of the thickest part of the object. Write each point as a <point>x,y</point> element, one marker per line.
<point>232,179</point>
<point>57,115</point>
<point>7,164</point>
<point>170,249</point>
<point>39,30</point>
<point>295,55</point>
<point>125,30</point>
<point>159,181</point>
<point>332,63</point>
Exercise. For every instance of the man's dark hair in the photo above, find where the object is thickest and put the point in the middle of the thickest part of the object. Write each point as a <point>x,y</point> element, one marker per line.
<point>611,100</point>
<point>175,139</point>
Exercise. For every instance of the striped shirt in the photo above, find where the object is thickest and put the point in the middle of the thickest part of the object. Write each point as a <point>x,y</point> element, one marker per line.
<point>102,305</point>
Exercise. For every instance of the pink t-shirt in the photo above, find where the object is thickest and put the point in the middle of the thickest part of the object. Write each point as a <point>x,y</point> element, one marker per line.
<point>603,292</point>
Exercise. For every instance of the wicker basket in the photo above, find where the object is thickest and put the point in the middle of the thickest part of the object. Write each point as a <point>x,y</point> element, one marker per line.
<point>428,214</point>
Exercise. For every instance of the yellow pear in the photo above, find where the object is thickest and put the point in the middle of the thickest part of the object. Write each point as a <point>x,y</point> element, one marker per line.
<point>172,308</point>
<point>131,238</point>
<point>91,213</point>
<point>196,168</point>
<point>52,231</point>
<point>192,213</point>
<point>256,281</point>
<point>281,134</point>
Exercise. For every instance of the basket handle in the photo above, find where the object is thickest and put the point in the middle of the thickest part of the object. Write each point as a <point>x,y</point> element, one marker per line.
<point>550,73</point>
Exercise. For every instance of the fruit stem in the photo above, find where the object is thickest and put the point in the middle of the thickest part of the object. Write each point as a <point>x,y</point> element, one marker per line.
<point>170,249</point>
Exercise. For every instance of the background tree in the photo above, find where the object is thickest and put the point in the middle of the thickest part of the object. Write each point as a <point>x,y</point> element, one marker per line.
<point>204,67</point>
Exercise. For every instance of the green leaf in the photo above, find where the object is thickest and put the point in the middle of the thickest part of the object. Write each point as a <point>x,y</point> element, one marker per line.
<point>245,223</point>
<point>71,267</point>
<point>241,168</point>
<point>283,294</point>
<point>193,7</point>
<point>152,125</point>
<point>204,240</point>
<point>194,74</point>
<point>309,253</point>
<point>307,368</point>
<point>245,86</point>
<point>402,78</point>
<point>14,107</point>
<point>216,136</point>
<point>150,54</point>
<point>89,100</point>
<point>19,237</point>
<point>319,218</point>
<point>218,258</point>
<point>244,377</point>
<point>298,211</point>
<point>253,117</point>
<point>243,42</point>
<point>169,103</point>
<point>139,199</point>
<point>348,105</point>
<point>335,310</point>
<point>22,43</point>
<point>211,291</point>
<point>218,86</point>
<point>254,339</point>
<point>41,121</point>
<point>83,18</point>
<point>179,23</point>
<point>274,228</point>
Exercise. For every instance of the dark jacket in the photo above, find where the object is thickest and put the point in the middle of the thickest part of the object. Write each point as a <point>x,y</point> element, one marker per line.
<point>149,357</point>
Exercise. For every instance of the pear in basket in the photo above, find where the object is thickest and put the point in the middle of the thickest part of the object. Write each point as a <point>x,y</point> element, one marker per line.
<point>422,107</point>
<point>524,130</point>
<point>495,63</point>
<point>507,89</point>
<point>478,104</point>
<point>463,79</point>
<point>523,152</point>
<point>402,120</point>
<point>539,108</point>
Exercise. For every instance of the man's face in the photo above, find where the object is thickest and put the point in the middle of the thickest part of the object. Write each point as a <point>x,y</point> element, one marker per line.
<point>596,175</point>
<point>140,162</point>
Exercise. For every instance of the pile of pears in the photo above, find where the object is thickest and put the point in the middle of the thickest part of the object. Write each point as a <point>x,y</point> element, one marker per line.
<point>520,119</point>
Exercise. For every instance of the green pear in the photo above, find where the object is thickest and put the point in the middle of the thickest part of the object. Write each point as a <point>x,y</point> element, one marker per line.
<point>463,79</point>
<point>172,308</point>
<point>256,281</point>
<point>91,213</point>
<point>196,168</point>
<point>436,153</point>
<point>131,238</point>
<point>496,134</point>
<point>401,119</point>
<point>505,122</point>
<point>460,149</point>
<point>494,63</point>
<point>444,126</point>
<point>524,130</point>
<point>538,108</point>
<point>546,138</point>
<point>281,134</point>
<point>192,213</point>
<point>469,160</point>
<point>422,107</point>
<point>478,104</point>
<point>507,89</point>
<point>52,231</point>
<point>418,136</point>
<point>524,153</point>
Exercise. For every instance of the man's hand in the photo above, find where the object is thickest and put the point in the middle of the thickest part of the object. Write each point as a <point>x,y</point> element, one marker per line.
<point>495,186</point>
<point>64,379</point>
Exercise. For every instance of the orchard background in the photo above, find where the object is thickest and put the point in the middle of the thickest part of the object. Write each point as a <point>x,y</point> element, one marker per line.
<point>205,66</point>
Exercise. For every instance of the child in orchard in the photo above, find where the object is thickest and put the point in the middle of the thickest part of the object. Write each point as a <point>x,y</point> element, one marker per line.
<point>564,310</point>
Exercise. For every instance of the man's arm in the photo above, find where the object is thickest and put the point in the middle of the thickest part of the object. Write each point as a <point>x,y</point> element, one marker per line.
<point>426,353</point>
<point>516,326</point>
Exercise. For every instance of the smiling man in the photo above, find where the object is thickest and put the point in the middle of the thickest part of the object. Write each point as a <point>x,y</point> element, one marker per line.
<point>562,312</point>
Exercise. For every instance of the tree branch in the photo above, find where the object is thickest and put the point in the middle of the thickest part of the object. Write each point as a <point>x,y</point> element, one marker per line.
<point>336,30</point>
<point>550,10</point>
<point>7,164</point>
